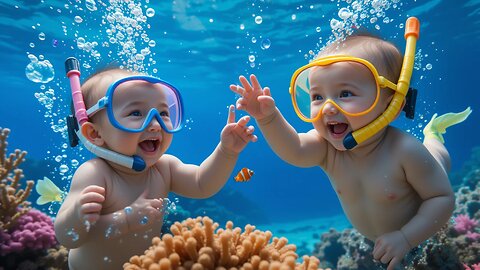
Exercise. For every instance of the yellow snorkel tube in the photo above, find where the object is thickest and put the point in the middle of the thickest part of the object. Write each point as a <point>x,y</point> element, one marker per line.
<point>412,30</point>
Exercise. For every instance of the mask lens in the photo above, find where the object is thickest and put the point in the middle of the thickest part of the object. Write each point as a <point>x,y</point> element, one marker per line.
<point>302,94</point>
<point>349,85</point>
<point>133,103</point>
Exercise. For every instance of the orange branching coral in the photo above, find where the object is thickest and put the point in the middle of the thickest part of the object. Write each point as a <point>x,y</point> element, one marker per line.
<point>13,202</point>
<point>195,245</point>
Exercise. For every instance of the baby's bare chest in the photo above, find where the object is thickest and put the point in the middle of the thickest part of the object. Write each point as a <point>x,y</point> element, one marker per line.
<point>377,181</point>
<point>121,192</point>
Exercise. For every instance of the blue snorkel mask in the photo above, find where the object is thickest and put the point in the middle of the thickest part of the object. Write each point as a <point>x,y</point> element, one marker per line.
<point>122,116</point>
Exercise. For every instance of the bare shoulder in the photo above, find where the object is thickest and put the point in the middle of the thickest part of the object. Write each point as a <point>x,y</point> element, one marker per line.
<point>410,151</point>
<point>167,162</point>
<point>91,172</point>
<point>314,136</point>
<point>402,142</point>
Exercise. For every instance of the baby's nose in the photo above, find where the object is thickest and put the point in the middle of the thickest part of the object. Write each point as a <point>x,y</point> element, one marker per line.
<point>154,125</point>
<point>329,109</point>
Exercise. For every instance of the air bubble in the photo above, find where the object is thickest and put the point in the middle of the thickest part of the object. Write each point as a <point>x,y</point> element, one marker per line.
<point>266,43</point>
<point>150,12</point>
<point>258,19</point>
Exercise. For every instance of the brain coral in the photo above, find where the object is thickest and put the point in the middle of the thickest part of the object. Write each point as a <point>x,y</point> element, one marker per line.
<point>195,245</point>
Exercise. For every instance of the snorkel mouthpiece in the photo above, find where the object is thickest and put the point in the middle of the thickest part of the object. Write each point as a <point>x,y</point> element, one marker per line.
<point>412,30</point>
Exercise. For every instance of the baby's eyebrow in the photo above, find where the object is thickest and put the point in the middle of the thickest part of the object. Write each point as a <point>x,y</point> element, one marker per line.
<point>164,105</point>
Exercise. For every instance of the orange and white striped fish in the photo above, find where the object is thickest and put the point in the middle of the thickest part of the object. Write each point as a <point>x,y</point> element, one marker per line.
<point>244,175</point>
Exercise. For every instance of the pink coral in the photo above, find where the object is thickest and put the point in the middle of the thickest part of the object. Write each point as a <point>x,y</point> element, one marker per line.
<point>473,235</point>
<point>33,230</point>
<point>474,267</point>
<point>464,224</point>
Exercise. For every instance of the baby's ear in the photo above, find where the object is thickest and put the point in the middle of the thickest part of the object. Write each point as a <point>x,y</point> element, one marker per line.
<point>90,132</point>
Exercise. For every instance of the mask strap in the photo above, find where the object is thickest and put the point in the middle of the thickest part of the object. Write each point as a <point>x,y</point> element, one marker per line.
<point>410,103</point>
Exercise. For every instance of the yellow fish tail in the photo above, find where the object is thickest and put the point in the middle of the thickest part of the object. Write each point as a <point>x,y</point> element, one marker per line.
<point>438,125</point>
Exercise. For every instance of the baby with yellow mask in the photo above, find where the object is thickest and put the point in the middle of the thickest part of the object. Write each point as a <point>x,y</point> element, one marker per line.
<point>393,189</point>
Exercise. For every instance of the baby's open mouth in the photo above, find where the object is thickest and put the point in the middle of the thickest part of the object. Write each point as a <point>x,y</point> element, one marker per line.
<point>150,145</point>
<point>337,128</point>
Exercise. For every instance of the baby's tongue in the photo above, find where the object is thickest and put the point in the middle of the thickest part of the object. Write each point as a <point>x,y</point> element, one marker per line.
<point>339,128</point>
<point>148,146</point>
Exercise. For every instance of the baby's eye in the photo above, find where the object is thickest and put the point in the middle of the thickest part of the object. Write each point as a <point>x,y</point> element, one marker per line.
<point>135,113</point>
<point>164,114</point>
<point>316,97</point>
<point>346,93</point>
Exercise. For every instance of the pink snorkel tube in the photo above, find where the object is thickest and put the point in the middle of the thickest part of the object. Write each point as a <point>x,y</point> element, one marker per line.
<point>79,117</point>
<point>72,67</point>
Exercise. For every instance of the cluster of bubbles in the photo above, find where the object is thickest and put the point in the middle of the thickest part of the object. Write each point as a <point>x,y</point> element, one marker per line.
<point>125,25</point>
<point>353,15</point>
<point>357,12</point>
<point>39,70</point>
<point>121,32</point>
<point>264,43</point>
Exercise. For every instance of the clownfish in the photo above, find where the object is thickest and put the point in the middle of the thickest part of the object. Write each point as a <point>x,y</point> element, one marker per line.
<point>244,175</point>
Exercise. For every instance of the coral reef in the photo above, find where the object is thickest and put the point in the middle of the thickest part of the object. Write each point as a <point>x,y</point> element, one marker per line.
<point>33,230</point>
<point>27,238</point>
<point>13,202</point>
<point>195,245</point>
<point>464,224</point>
<point>345,250</point>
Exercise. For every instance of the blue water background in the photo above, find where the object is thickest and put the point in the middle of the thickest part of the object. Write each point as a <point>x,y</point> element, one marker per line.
<point>201,48</point>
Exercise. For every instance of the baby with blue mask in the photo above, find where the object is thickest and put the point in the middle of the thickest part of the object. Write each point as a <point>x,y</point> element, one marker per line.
<point>112,210</point>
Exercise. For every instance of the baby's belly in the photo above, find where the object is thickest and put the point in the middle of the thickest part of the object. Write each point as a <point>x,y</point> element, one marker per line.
<point>373,219</point>
<point>110,254</point>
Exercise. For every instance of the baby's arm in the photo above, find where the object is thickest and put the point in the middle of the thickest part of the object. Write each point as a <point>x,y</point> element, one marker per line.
<point>431,183</point>
<point>205,180</point>
<point>300,149</point>
<point>83,203</point>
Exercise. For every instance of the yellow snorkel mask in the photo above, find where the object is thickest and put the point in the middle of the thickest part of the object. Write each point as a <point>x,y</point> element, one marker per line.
<point>304,99</point>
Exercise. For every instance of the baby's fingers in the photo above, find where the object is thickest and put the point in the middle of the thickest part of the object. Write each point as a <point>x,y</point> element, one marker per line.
<point>231,114</point>
<point>378,251</point>
<point>92,197</point>
<point>91,218</point>
<point>250,136</point>
<point>246,84</point>
<point>237,89</point>
<point>157,203</point>
<point>90,208</point>
<point>255,83</point>
<point>94,188</point>
<point>243,121</point>
<point>241,104</point>
<point>393,263</point>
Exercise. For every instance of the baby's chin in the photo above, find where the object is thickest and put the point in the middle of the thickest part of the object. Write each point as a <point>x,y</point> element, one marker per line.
<point>337,145</point>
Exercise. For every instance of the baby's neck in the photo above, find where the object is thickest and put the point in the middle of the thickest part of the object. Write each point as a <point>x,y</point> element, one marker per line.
<point>371,145</point>
<point>127,172</point>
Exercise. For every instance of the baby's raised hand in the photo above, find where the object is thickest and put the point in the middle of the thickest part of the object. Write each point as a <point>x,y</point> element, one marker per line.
<point>143,212</point>
<point>255,100</point>
<point>390,248</point>
<point>236,135</point>
<point>90,203</point>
